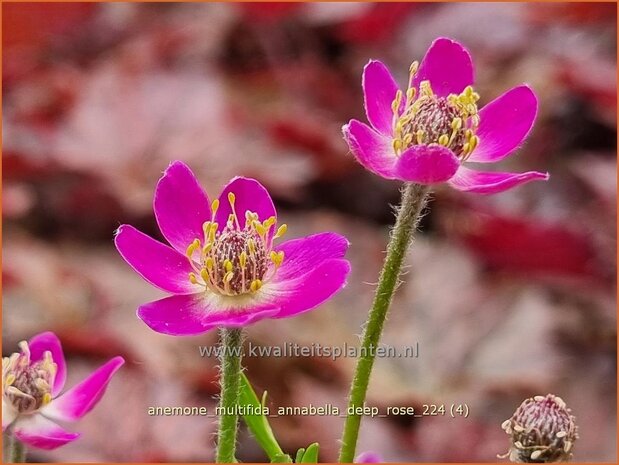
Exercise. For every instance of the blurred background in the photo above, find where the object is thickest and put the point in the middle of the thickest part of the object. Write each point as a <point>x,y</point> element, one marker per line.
<point>509,296</point>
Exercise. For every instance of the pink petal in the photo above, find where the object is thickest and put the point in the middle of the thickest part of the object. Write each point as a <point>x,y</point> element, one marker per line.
<point>82,398</point>
<point>371,149</point>
<point>481,182</point>
<point>181,206</point>
<point>426,164</point>
<point>369,457</point>
<point>160,265</point>
<point>195,314</point>
<point>42,343</point>
<point>9,414</point>
<point>306,292</point>
<point>302,254</point>
<point>37,431</point>
<point>504,123</point>
<point>379,90</point>
<point>448,67</point>
<point>250,196</point>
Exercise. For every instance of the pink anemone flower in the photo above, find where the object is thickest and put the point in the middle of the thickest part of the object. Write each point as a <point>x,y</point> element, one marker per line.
<point>31,399</point>
<point>222,267</point>
<point>426,134</point>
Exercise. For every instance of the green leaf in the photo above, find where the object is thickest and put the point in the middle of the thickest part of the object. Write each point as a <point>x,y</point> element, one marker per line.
<point>299,456</point>
<point>258,424</point>
<point>311,453</point>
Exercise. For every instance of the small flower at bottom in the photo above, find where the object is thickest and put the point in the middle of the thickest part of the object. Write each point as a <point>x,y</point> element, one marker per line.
<point>425,134</point>
<point>543,430</point>
<point>222,267</point>
<point>31,401</point>
<point>369,457</point>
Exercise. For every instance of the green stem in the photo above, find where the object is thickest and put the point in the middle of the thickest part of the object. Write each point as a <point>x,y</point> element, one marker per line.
<point>414,198</point>
<point>13,450</point>
<point>232,346</point>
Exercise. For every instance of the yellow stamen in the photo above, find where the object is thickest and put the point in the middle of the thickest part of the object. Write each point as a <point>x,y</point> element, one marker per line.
<point>47,398</point>
<point>204,275</point>
<point>255,285</point>
<point>277,257</point>
<point>192,278</point>
<point>443,140</point>
<point>243,259</point>
<point>227,265</point>
<point>215,206</point>
<point>281,231</point>
<point>10,379</point>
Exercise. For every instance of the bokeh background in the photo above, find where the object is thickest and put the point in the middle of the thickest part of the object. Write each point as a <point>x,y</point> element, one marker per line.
<point>509,296</point>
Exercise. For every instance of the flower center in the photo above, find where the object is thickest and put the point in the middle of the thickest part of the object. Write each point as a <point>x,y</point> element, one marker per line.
<point>26,385</point>
<point>235,260</point>
<point>426,119</point>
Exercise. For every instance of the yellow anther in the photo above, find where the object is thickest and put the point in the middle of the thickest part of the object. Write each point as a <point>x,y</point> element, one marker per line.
<point>47,398</point>
<point>397,145</point>
<point>456,124</point>
<point>207,248</point>
<point>209,263</point>
<point>466,149</point>
<point>255,285</point>
<point>419,134</point>
<point>252,246</point>
<point>231,198</point>
<point>260,229</point>
<point>408,138</point>
<point>215,206</point>
<point>228,277</point>
<point>212,232</point>
<point>192,248</point>
<point>243,259</point>
<point>474,142</point>
<point>269,222</point>
<point>192,278</point>
<point>425,89</point>
<point>414,67</point>
<point>10,379</point>
<point>395,105</point>
<point>204,275</point>
<point>277,257</point>
<point>281,231</point>
<point>410,94</point>
<point>444,140</point>
<point>227,265</point>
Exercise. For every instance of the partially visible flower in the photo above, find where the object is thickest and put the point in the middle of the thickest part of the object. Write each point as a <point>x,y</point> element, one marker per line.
<point>223,268</point>
<point>369,457</point>
<point>425,134</point>
<point>542,430</point>
<point>31,399</point>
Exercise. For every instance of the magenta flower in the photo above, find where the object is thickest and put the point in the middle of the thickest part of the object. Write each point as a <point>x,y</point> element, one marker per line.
<point>222,267</point>
<point>426,134</point>
<point>31,399</point>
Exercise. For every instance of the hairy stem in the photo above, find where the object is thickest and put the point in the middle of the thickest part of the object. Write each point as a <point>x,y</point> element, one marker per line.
<point>13,450</point>
<point>232,346</point>
<point>414,199</point>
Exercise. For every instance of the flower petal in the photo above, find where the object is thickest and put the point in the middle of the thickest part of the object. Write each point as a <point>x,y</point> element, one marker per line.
<point>371,149</point>
<point>504,123</point>
<point>302,254</point>
<point>481,182</point>
<point>82,398</point>
<point>379,90</point>
<point>159,264</point>
<point>426,164</point>
<point>306,292</point>
<point>37,431</point>
<point>9,414</point>
<point>195,314</point>
<point>369,457</point>
<point>181,206</point>
<point>448,67</point>
<point>42,343</point>
<point>250,196</point>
